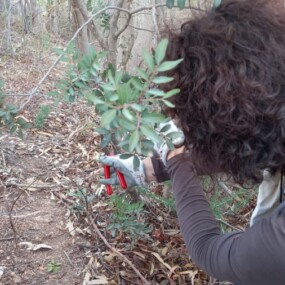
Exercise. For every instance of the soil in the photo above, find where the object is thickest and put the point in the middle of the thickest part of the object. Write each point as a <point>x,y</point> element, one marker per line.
<point>32,171</point>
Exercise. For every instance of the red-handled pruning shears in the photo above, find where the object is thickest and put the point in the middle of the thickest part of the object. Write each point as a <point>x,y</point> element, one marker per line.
<point>121,178</point>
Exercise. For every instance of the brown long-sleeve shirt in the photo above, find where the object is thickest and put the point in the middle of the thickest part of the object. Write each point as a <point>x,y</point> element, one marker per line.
<point>253,257</point>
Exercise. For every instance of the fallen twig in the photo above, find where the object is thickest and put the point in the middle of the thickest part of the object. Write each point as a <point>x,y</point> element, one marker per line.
<point>6,239</point>
<point>68,259</point>
<point>9,210</point>
<point>31,185</point>
<point>228,225</point>
<point>125,259</point>
<point>230,192</point>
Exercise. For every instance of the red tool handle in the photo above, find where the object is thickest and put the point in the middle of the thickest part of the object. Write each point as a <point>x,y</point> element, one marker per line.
<point>107,174</point>
<point>122,180</point>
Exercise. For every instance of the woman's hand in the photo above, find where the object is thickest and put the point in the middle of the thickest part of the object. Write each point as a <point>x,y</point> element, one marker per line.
<point>133,176</point>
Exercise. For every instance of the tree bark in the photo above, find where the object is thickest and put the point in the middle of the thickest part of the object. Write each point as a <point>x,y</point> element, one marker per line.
<point>8,48</point>
<point>82,41</point>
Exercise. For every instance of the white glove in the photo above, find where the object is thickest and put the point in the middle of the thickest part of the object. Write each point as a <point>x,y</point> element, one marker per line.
<point>133,177</point>
<point>176,137</point>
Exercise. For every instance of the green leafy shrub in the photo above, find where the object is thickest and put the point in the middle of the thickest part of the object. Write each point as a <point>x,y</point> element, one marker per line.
<point>42,116</point>
<point>129,105</point>
<point>53,267</point>
<point>9,115</point>
<point>126,217</point>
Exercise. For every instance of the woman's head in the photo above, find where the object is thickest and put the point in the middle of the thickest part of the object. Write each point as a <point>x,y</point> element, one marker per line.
<point>232,79</point>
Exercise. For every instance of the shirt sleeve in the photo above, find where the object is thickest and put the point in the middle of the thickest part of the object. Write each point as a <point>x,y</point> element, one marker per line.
<point>160,172</point>
<point>256,256</point>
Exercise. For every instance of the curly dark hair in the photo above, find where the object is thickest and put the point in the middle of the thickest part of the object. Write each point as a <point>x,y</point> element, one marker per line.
<point>232,80</point>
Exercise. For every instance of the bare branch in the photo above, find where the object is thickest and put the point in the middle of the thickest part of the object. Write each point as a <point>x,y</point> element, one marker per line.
<point>115,17</point>
<point>125,259</point>
<point>34,90</point>
<point>129,17</point>
<point>157,34</point>
<point>142,29</point>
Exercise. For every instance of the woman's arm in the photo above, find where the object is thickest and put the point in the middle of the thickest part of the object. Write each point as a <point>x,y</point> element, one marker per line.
<point>256,256</point>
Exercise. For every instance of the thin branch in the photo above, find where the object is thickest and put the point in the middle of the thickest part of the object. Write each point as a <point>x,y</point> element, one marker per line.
<point>142,29</point>
<point>31,185</point>
<point>115,17</point>
<point>9,210</point>
<point>6,239</point>
<point>18,95</point>
<point>93,28</point>
<point>129,17</point>
<point>125,259</point>
<point>228,225</point>
<point>229,191</point>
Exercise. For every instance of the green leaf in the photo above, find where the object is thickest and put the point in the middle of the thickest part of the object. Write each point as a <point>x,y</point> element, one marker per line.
<point>1,83</point>
<point>96,66</point>
<point>171,93</point>
<point>168,104</point>
<point>150,134</point>
<point>125,155</point>
<point>142,74</point>
<point>134,139</point>
<point>128,115</point>
<point>64,59</point>
<point>114,98</point>
<point>152,117</point>
<point>23,123</point>
<point>169,143</point>
<point>108,87</point>
<point>138,148</point>
<point>162,79</point>
<point>58,51</point>
<point>165,128</point>
<point>147,144</point>
<point>136,82</point>
<point>53,93</point>
<point>106,139</point>
<point>181,3</point>
<point>101,131</point>
<point>136,163</point>
<point>94,99</point>
<point>125,92</point>
<point>119,134</point>
<point>126,124</point>
<point>20,133</point>
<point>149,60</point>
<point>137,107</point>
<point>71,91</point>
<point>155,92</point>
<point>79,84</point>
<point>160,51</point>
<point>168,65</point>
<point>108,117</point>
<point>170,3</point>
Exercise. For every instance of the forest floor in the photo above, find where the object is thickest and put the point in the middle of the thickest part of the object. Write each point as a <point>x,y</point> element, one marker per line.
<point>53,209</point>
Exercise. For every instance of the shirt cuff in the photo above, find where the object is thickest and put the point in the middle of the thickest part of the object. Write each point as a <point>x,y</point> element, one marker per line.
<point>160,172</point>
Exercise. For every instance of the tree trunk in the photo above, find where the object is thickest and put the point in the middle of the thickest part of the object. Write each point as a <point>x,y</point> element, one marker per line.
<point>82,41</point>
<point>8,48</point>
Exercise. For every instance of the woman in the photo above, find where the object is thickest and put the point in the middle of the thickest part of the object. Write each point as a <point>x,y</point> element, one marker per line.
<point>231,109</point>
